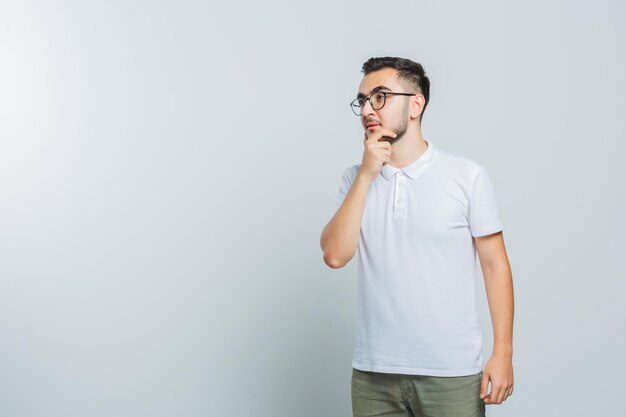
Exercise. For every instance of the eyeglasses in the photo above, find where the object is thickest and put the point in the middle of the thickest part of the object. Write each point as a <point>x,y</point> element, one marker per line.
<point>377,101</point>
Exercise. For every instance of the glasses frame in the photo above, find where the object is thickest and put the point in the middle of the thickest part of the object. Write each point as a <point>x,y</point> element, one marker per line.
<point>384,93</point>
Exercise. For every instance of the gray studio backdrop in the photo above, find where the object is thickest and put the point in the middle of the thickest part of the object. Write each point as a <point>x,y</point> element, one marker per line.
<point>166,169</point>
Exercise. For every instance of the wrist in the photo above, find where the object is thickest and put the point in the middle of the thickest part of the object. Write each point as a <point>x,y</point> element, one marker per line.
<point>361,177</point>
<point>503,350</point>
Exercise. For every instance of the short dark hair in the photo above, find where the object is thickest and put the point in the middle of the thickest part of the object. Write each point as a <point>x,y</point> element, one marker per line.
<point>410,73</point>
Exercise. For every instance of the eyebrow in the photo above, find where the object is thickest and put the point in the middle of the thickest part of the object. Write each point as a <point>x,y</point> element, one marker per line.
<point>375,89</point>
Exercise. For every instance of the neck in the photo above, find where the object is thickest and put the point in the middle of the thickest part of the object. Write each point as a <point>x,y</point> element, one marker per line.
<point>406,150</point>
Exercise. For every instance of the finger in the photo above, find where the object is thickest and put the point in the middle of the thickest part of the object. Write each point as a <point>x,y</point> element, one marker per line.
<point>389,135</point>
<point>489,397</point>
<point>385,144</point>
<point>504,394</point>
<point>496,393</point>
<point>483,386</point>
<point>509,392</point>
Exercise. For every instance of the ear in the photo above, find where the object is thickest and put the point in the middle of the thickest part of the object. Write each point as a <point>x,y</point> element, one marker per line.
<point>417,105</point>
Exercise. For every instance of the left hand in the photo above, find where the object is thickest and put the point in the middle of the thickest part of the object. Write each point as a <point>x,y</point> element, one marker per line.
<point>498,370</point>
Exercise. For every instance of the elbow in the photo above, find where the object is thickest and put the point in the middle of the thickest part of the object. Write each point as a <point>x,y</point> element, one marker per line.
<point>333,262</point>
<point>330,254</point>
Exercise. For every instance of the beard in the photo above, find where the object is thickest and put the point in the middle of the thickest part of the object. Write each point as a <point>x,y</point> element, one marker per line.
<point>399,130</point>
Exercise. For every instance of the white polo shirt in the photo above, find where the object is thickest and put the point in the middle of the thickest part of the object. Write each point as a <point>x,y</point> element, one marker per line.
<point>416,305</point>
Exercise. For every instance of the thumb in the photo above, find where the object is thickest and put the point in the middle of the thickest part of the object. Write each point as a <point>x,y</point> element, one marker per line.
<point>483,386</point>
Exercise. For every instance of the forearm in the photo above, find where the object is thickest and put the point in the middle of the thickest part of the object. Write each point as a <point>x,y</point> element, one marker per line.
<point>340,237</point>
<point>499,286</point>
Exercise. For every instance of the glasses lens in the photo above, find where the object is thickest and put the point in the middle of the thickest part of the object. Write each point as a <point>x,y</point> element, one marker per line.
<point>378,101</point>
<point>356,107</point>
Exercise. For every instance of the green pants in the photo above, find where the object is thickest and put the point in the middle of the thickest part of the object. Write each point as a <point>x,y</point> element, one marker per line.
<point>396,395</point>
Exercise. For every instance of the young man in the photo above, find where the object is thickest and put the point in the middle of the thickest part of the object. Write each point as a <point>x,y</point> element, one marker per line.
<point>418,216</point>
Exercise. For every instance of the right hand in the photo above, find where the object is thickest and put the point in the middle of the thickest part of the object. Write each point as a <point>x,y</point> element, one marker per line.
<point>377,152</point>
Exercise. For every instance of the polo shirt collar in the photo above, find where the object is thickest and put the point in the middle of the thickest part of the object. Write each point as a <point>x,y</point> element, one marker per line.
<point>414,168</point>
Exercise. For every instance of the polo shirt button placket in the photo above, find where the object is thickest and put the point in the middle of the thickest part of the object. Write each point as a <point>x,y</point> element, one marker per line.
<point>399,194</point>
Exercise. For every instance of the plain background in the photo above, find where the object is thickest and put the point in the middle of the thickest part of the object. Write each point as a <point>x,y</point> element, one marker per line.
<point>166,169</point>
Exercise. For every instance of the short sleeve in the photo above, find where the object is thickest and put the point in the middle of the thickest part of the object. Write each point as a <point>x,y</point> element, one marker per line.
<point>484,216</point>
<point>344,187</point>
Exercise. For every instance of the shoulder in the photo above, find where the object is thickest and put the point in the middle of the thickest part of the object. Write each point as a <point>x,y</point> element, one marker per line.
<point>351,172</point>
<point>458,165</point>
